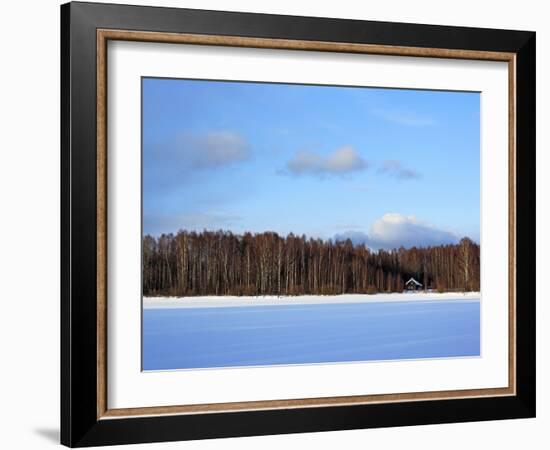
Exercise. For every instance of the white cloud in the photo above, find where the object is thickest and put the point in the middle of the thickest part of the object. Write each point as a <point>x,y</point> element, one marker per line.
<point>396,169</point>
<point>394,230</point>
<point>343,160</point>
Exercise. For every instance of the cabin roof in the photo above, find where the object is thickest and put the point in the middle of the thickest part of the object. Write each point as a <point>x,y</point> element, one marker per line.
<point>412,280</point>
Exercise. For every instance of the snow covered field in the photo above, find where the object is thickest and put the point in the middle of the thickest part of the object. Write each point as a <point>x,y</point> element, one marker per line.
<point>225,301</point>
<point>196,332</point>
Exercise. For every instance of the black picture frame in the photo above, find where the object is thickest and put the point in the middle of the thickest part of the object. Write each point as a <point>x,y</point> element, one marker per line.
<point>80,425</point>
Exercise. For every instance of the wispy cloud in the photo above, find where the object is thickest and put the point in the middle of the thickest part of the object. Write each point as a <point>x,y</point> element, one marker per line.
<point>396,169</point>
<point>395,230</point>
<point>214,149</point>
<point>170,163</point>
<point>197,221</point>
<point>342,161</point>
<point>403,118</point>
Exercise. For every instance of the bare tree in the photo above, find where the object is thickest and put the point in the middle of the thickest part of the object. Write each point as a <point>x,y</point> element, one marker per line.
<point>221,263</point>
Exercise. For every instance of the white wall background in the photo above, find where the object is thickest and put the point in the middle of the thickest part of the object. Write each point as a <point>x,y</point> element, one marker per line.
<point>29,225</point>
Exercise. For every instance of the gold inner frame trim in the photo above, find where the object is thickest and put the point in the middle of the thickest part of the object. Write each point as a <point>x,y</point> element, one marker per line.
<point>103,36</point>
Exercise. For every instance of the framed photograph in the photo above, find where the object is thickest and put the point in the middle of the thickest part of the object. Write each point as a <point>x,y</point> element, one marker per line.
<point>277,224</point>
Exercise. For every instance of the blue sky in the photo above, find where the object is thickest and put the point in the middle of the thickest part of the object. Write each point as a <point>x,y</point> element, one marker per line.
<point>387,167</point>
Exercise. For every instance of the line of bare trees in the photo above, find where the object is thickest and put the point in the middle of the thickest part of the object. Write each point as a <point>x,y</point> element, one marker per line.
<point>222,263</point>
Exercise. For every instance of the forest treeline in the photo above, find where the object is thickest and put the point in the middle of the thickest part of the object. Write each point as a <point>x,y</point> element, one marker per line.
<point>223,263</point>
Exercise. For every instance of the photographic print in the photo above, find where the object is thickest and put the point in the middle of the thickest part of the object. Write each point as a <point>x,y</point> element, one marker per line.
<point>308,224</point>
<point>278,224</point>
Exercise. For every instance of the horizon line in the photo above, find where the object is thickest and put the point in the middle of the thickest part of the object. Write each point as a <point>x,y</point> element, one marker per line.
<point>307,238</point>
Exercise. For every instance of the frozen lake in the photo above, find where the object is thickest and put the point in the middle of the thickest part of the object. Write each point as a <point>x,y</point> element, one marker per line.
<point>207,337</point>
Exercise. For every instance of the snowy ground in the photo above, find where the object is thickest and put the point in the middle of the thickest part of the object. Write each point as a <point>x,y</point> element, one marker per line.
<point>217,301</point>
<point>195,333</point>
